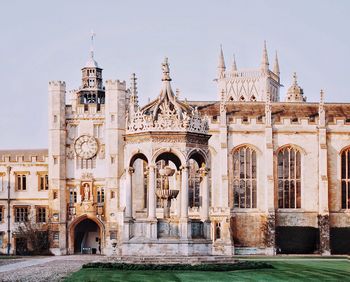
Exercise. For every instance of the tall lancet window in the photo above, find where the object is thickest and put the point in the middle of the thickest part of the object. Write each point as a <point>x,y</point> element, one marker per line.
<point>289,178</point>
<point>345,179</point>
<point>193,184</point>
<point>244,177</point>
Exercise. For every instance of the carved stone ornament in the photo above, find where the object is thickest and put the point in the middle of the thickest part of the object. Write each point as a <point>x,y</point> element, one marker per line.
<point>87,176</point>
<point>70,152</point>
<point>166,113</point>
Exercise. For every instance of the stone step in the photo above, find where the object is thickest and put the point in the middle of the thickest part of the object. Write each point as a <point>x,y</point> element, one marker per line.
<point>175,259</point>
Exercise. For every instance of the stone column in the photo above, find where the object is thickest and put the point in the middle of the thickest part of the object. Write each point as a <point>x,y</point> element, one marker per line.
<point>151,194</point>
<point>269,205</point>
<point>205,193</point>
<point>185,225</point>
<point>178,198</point>
<point>205,201</point>
<point>184,193</point>
<point>128,193</point>
<point>152,204</point>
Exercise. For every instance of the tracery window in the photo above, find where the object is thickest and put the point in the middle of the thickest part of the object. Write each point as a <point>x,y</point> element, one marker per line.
<point>193,184</point>
<point>244,177</point>
<point>345,179</point>
<point>289,178</point>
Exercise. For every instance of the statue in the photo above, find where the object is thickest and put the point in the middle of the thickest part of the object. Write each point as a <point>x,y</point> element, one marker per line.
<point>166,70</point>
<point>86,192</point>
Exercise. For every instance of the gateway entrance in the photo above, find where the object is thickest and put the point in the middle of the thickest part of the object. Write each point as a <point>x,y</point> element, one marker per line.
<point>87,239</point>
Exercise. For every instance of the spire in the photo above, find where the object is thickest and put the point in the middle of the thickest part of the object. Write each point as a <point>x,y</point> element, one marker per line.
<point>276,67</point>
<point>221,66</point>
<point>234,65</point>
<point>265,59</point>
<point>91,63</point>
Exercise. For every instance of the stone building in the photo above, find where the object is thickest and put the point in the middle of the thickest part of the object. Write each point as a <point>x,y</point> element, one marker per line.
<point>242,174</point>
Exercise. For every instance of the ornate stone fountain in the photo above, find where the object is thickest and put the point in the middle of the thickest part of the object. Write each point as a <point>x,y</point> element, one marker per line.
<point>165,193</point>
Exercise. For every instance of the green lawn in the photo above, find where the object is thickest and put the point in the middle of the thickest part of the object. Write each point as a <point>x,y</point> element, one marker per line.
<point>284,270</point>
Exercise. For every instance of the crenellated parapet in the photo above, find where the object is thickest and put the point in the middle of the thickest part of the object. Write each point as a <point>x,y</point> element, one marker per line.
<point>57,83</point>
<point>115,85</point>
<point>24,156</point>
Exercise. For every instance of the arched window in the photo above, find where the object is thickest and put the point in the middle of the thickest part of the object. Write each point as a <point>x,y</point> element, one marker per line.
<point>345,179</point>
<point>193,184</point>
<point>289,175</point>
<point>244,177</point>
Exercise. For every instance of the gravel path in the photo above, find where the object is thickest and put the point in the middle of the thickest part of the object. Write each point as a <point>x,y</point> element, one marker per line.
<point>45,269</point>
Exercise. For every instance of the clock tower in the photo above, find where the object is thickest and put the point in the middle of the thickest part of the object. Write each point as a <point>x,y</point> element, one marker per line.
<point>86,160</point>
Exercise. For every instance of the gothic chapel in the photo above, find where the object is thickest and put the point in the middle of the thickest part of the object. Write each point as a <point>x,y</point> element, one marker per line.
<point>246,173</point>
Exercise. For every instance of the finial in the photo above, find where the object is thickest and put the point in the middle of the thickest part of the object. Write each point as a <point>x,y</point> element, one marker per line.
<point>223,104</point>
<point>133,86</point>
<point>221,65</point>
<point>321,110</point>
<point>133,94</point>
<point>221,59</point>
<point>265,59</point>
<point>234,65</point>
<point>321,97</point>
<point>166,70</point>
<point>177,93</point>
<point>92,35</point>
<point>295,82</point>
<point>276,67</point>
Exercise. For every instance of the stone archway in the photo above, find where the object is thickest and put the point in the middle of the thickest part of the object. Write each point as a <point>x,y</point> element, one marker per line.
<point>86,236</point>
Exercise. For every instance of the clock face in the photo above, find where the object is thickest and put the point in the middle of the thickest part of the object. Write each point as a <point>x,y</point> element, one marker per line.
<point>86,147</point>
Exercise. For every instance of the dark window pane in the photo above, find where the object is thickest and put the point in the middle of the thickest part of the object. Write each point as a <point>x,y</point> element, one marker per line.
<point>343,165</point>
<point>280,165</point>
<point>286,194</point>
<point>254,194</point>
<point>248,163</point>
<point>298,194</point>
<point>280,193</point>
<point>343,195</point>
<point>292,194</point>
<point>248,191</point>
<point>242,194</point>
<point>253,165</point>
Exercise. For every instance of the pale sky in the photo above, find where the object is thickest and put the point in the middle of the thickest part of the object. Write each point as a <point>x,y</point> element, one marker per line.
<point>49,40</point>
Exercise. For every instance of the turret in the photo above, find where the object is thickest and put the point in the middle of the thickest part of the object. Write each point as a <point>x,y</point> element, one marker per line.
<point>57,158</point>
<point>295,93</point>
<point>92,90</point>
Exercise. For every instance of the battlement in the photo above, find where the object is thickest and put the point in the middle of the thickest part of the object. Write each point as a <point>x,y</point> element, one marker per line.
<point>85,111</point>
<point>115,85</point>
<point>24,156</point>
<point>57,83</point>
